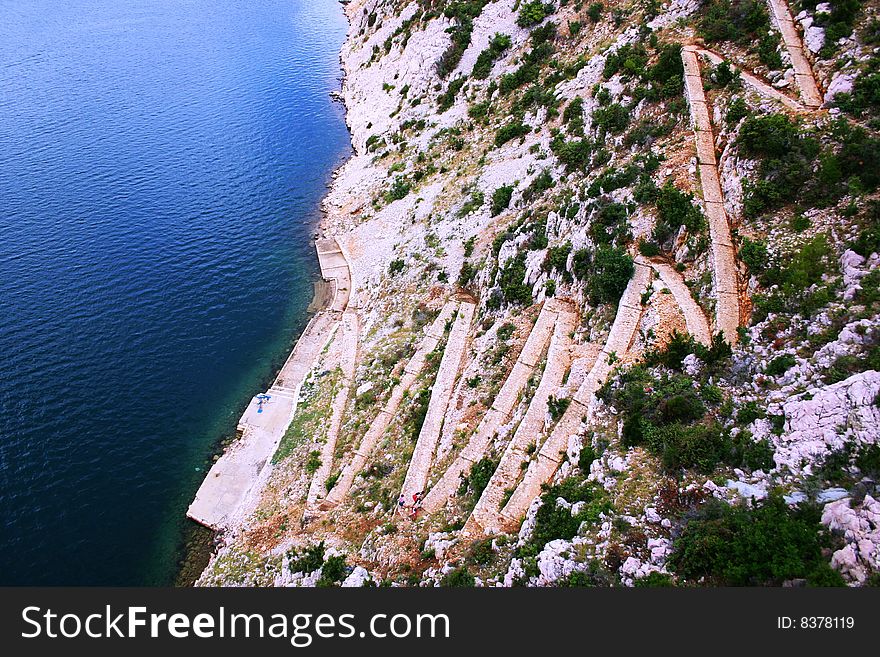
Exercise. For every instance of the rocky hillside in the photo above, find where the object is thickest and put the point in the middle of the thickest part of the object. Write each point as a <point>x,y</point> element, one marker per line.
<point>615,306</point>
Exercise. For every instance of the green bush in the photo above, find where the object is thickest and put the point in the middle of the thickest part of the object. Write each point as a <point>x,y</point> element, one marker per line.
<point>575,154</point>
<point>675,209</point>
<point>630,60</point>
<point>594,11</point>
<point>332,572</point>
<point>509,132</point>
<point>612,270</point>
<point>554,522</point>
<point>573,116</point>
<point>754,253</point>
<point>396,266</point>
<point>612,118</point>
<point>511,279</point>
<point>865,95</point>
<point>313,462</point>
<point>649,249</point>
<point>447,98</point>
<point>501,199</point>
<point>763,545</point>
<point>780,365</point>
<point>478,477</point>
<point>557,258</point>
<point>306,560</point>
<point>497,47</point>
<point>743,21</point>
<point>557,406</point>
<point>463,12</point>
<point>532,13</point>
<point>458,578</point>
<point>399,189</point>
<point>735,111</point>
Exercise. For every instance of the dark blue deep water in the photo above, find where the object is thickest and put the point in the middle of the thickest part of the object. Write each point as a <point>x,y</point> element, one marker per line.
<point>161,168</point>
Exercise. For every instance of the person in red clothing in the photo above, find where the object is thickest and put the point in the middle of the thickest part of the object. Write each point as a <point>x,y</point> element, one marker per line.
<point>417,504</point>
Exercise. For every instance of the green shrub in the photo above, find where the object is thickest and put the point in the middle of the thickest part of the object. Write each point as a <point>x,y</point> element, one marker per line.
<point>467,274</point>
<point>509,132</point>
<point>573,116</point>
<point>654,580</point>
<point>780,365</point>
<point>557,258</point>
<point>700,447</point>
<point>743,21</point>
<point>396,266</point>
<point>675,209</point>
<point>478,477</point>
<point>306,560</point>
<point>332,572</point>
<point>612,270</point>
<point>574,154</point>
<point>463,12</point>
<point>532,13</point>
<point>749,412</point>
<point>497,47</point>
<point>458,578</point>
<point>447,99</point>
<point>612,118</point>
<point>554,522</point>
<point>594,11</point>
<point>501,199</point>
<point>557,406</point>
<point>649,249</point>
<point>754,253</point>
<point>511,280</point>
<point>762,545</point>
<point>586,458</point>
<point>399,189</point>
<point>724,75</point>
<point>865,95</point>
<point>735,111</point>
<point>313,462</point>
<point>630,60</point>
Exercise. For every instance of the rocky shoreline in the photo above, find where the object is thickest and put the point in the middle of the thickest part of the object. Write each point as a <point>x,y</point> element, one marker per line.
<point>447,210</point>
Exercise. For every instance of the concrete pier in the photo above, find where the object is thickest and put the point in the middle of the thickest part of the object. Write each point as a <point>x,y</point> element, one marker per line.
<point>232,478</point>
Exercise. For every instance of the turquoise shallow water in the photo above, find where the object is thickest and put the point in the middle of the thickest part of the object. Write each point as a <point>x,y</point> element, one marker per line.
<point>161,168</point>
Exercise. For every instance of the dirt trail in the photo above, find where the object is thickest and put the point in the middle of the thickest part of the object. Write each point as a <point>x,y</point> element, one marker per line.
<point>410,374</point>
<point>441,393</point>
<point>723,253</point>
<point>484,517</point>
<point>349,350</point>
<point>551,454</point>
<point>503,404</point>
<point>694,317</point>
<point>791,37</point>
<point>756,83</point>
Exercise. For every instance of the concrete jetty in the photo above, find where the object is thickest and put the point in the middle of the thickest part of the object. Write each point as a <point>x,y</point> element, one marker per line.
<point>232,478</point>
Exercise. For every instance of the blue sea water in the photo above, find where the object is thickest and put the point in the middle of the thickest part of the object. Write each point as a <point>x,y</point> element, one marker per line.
<point>161,168</point>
